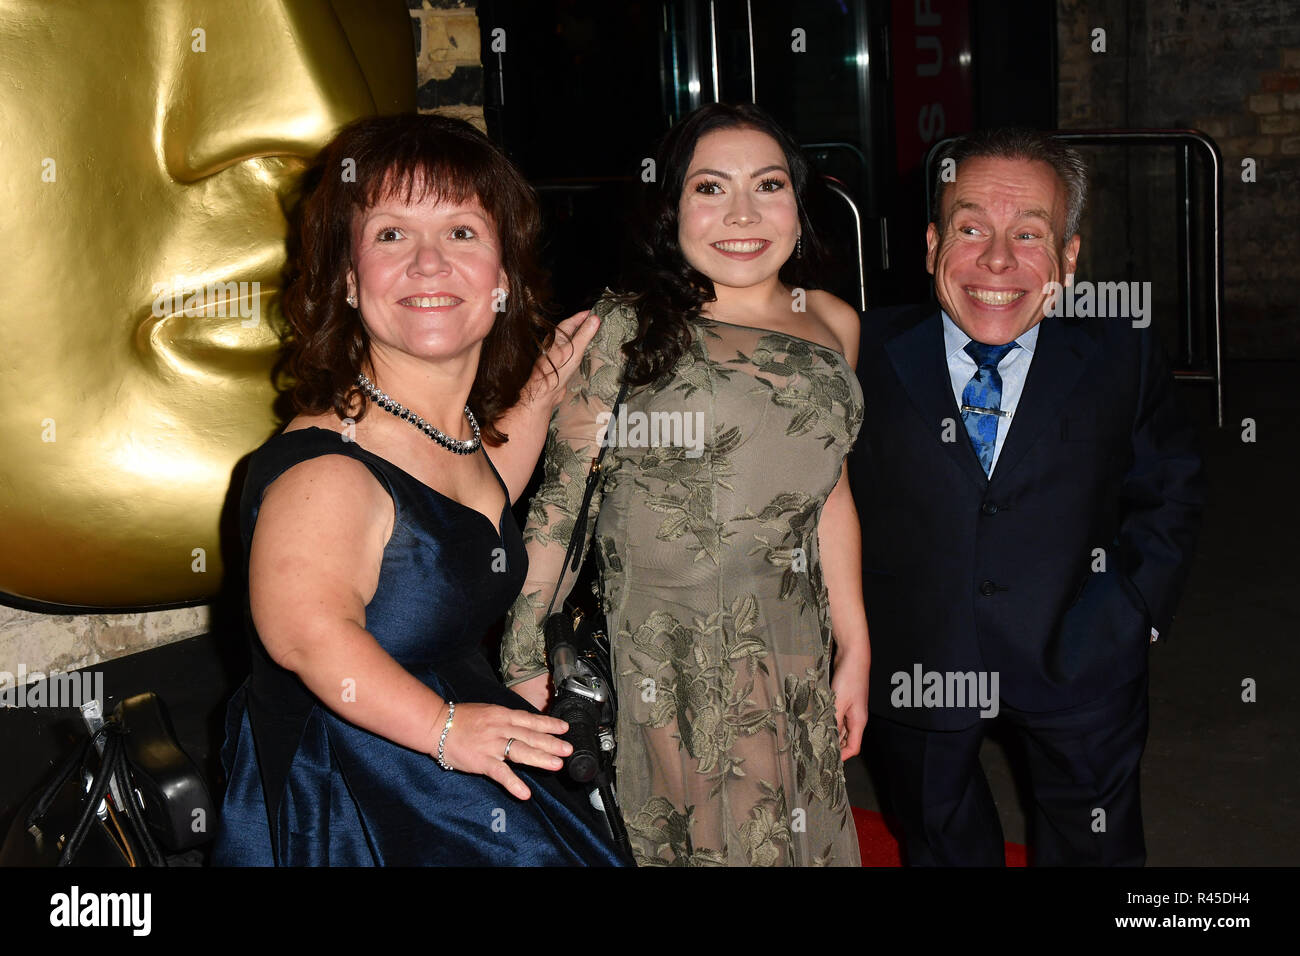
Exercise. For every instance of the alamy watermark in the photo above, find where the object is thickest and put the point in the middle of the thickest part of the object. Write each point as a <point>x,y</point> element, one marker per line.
<point>945,690</point>
<point>74,908</point>
<point>242,300</point>
<point>36,689</point>
<point>634,429</point>
<point>1100,300</point>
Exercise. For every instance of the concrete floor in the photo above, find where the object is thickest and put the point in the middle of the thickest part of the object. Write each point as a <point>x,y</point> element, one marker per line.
<point>1220,776</point>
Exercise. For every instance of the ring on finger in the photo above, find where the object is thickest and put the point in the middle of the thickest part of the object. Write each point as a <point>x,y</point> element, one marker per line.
<point>509,744</point>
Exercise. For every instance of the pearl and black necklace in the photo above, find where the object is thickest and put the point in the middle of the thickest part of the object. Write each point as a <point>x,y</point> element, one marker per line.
<point>456,446</point>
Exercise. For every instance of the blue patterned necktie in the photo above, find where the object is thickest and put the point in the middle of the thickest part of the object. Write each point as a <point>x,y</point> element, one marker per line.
<point>984,391</point>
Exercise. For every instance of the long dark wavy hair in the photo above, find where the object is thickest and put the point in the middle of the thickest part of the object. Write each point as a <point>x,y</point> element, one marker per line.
<point>407,157</point>
<point>665,290</point>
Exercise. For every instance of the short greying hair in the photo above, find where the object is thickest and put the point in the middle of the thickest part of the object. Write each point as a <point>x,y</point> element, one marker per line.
<point>1019,143</point>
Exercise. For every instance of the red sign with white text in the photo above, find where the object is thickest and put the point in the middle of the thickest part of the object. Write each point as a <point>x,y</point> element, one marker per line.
<point>931,53</point>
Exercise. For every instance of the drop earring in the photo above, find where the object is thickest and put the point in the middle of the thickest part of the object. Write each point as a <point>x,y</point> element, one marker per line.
<point>798,247</point>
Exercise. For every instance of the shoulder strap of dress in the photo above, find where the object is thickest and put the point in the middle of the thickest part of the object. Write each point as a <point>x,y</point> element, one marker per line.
<point>281,452</point>
<point>287,449</point>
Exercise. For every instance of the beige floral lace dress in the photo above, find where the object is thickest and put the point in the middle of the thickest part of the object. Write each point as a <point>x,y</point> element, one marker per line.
<point>707,530</point>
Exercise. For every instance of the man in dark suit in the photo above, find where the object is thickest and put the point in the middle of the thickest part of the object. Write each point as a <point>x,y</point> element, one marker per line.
<point>1029,494</point>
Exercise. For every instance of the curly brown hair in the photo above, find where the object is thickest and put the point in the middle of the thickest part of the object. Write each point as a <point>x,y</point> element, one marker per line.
<point>408,157</point>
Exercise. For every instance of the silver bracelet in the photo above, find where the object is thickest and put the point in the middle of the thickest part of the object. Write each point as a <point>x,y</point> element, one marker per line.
<point>442,741</point>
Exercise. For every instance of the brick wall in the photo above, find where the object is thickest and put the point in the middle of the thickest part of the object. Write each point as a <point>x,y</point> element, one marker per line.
<point>1231,70</point>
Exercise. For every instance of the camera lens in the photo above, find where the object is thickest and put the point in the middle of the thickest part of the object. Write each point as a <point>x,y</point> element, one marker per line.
<point>584,763</point>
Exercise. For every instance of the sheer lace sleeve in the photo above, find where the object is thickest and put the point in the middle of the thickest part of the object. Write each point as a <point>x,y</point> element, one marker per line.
<point>571,443</point>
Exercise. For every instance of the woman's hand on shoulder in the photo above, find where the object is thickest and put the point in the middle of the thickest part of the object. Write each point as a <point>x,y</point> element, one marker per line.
<point>546,389</point>
<point>316,551</point>
<point>555,367</point>
<point>477,743</point>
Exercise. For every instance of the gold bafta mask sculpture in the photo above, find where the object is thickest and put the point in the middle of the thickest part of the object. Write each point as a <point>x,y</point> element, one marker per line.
<point>149,151</point>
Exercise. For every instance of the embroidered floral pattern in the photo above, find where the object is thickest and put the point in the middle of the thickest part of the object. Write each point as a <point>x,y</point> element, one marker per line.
<point>728,752</point>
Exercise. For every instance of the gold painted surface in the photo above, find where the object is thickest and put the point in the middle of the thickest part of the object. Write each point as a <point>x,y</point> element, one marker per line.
<point>137,165</point>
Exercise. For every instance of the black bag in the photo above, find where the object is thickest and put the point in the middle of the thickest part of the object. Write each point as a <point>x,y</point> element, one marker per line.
<point>126,794</point>
<point>578,655</point>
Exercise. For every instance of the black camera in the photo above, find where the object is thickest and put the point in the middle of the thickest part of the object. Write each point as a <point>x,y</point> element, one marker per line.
<point>584,698</point>
<point>584,692</point>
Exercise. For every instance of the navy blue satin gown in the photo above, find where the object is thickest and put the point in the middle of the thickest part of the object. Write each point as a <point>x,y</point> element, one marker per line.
<point>307,788</point>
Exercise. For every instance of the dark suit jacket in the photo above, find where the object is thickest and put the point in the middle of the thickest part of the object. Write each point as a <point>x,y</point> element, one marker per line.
<point>962,573</point>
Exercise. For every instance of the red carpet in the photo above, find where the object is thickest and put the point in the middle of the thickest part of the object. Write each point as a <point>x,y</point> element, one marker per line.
<point>879,848</point>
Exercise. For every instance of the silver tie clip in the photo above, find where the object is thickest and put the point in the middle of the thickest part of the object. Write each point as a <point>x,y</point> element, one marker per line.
<point>985,411</point>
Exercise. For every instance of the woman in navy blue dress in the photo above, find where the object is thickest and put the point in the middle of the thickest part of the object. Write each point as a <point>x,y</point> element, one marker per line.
<point>381,547</point>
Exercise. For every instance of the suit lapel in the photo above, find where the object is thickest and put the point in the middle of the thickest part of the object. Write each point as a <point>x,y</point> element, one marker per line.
<point>917,354</point>
<point>1060,357</point>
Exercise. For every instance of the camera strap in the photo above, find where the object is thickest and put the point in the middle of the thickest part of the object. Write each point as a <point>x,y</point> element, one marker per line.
<point>577,541</point>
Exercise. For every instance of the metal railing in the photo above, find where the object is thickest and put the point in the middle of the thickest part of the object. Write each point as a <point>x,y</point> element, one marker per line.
<point>837,189</point>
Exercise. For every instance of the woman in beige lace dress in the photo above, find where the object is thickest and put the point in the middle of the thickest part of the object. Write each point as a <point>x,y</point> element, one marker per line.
<point>725,527</point>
